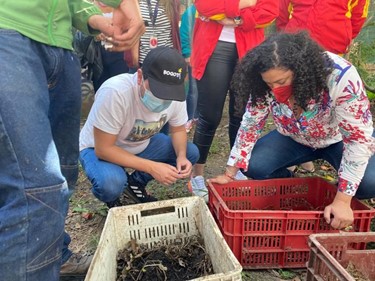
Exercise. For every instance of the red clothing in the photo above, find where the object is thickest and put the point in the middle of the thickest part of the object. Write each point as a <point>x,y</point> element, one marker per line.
<point>331,23</point>
<point>248,35</point>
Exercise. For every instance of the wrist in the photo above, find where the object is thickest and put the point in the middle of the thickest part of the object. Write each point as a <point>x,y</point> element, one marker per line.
<point>237,20</point>
<point>229,174</point>
<point>343,198</point>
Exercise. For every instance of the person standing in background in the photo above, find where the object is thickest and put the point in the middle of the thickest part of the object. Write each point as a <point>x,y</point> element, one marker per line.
<point>40,104</point>
<point>113,62</point>
<point>332,24</point>
<point>224,31</point>
<point>98,62</point>
<point>161,18</point>
<point>186,35</point>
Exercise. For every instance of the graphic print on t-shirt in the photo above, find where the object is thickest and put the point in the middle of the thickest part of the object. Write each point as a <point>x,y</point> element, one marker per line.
<point>144,130</point>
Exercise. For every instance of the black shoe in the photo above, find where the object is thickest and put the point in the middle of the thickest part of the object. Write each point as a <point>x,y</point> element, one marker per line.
<point>115,203</point>
<point>137,191</point>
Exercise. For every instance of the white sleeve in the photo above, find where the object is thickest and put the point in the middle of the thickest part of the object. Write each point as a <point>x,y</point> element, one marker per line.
<point>109,111</point>
<point>178,114</point>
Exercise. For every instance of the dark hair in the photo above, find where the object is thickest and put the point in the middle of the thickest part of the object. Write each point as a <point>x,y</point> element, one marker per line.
<point>296,52</point>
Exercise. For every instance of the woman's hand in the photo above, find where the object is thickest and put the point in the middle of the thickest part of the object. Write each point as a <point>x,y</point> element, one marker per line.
<point>227,22</point>
<point>339,213</point>
<point>221,179</point>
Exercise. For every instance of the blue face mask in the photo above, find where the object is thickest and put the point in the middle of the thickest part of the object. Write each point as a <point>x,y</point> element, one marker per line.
<point>154,104</point>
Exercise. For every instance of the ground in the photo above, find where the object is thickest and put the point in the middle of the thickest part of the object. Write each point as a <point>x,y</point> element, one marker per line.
<point>87,215</point>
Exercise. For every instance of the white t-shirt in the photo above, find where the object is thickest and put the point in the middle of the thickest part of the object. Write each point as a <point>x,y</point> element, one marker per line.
<point>227,34</point>
<point>118,110</point>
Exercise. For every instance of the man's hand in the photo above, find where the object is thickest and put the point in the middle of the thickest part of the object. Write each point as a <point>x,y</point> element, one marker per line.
<point>164,173</point>
<point>128,25</point>
<point>103,24</point>
<point>339,213</point>
<point>184,166</point>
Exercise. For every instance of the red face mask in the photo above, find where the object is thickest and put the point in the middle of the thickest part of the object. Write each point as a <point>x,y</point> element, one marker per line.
<point>283,93</point>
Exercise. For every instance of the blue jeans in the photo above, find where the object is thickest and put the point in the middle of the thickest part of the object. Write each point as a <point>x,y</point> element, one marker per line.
<point>39,127</point>
<point>192,96</point>
<point>274,152</point>
<point>109,180</point>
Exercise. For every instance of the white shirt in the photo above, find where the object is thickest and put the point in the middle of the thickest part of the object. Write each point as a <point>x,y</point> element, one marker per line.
<point>118,110</point>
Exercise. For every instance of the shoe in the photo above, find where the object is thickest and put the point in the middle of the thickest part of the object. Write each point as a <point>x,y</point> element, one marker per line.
<point>77,265</point>
<point>137,191</point>
<point>308,167</point>
<point>197,186</point>
<point>115,203</point>
<point>240,176</point>
<point>292,168</point>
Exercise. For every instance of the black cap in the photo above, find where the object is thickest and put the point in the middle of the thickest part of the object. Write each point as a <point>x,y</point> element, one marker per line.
<point>165,70</point>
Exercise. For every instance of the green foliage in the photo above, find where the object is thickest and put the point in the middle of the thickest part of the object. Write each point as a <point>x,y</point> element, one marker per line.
<point>94,241</point>
<point>286,274</point>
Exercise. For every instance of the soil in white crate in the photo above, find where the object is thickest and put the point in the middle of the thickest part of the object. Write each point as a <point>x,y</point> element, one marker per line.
<point>182,260</point>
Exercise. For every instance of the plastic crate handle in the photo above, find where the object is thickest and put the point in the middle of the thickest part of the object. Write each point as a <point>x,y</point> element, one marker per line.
<point>158,211</point>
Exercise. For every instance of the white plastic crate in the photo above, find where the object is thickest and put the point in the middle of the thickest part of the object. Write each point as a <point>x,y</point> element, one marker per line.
<point>162,221</point>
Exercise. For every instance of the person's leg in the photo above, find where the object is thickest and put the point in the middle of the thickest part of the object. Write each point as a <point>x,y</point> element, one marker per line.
<point>333,155</point>
<point>34,193</point>
<point>64,114</point>
<point>192,96</point>
<point>160,149</point>
<point>235,117</point>
<point>212,91</point>
<point>108,180</point>
<point>273,153</point>
<point>366,189</point>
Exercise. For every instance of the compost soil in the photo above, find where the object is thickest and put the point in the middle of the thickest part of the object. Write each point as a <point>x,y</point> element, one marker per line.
<point>181,260</point>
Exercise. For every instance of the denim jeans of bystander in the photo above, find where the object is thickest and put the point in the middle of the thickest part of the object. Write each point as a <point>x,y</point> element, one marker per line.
<point>40,103</point>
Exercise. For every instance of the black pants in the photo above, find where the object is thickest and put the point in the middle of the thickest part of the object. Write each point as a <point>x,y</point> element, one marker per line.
<point>212,92</point>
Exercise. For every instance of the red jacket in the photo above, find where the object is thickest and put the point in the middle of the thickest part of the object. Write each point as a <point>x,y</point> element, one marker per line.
<point>248,35</point>
<point>331,23</point>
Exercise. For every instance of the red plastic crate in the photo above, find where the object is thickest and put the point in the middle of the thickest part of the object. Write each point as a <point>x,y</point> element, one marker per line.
<point>331,254</point>
<point>267,223</point>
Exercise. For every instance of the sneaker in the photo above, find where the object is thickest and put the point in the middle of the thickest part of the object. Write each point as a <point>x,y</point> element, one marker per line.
<point>240,176</point>
<point>197,186</point>
<point>115,203</point>
<point>137,191</point>
<point>308,167</point>
<point>77,265</point>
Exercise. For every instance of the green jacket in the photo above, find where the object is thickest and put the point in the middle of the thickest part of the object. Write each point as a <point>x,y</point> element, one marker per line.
<point>50,21</point>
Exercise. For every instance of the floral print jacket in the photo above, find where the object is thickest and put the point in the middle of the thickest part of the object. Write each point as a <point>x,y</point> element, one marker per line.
<point>343,115</point>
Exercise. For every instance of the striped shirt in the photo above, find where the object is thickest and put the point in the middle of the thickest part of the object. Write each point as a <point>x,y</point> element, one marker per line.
<point>162,29</point>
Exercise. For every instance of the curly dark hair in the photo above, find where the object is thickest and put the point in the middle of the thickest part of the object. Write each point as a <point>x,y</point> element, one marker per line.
<point>296,52</point>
